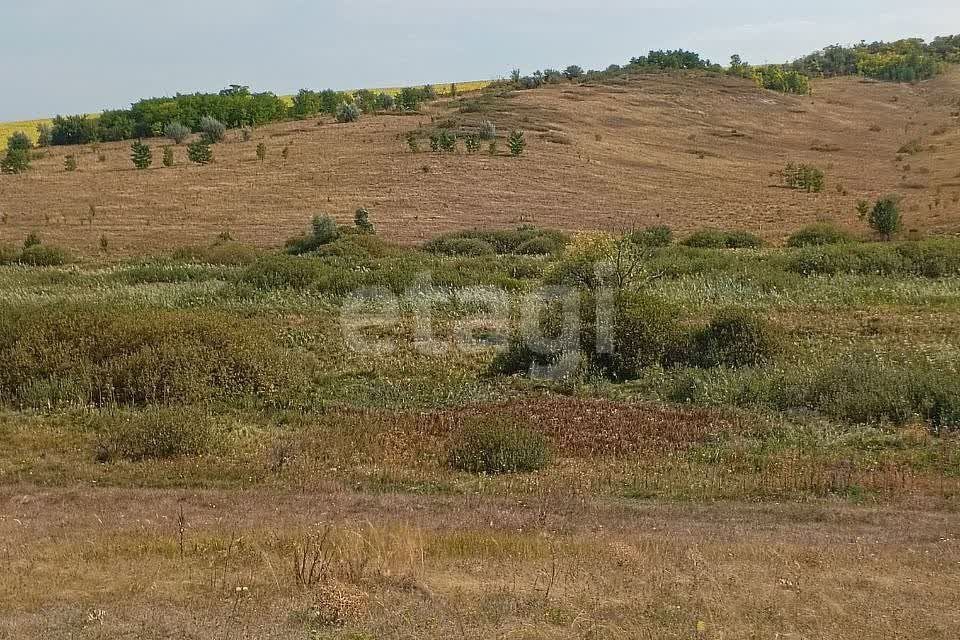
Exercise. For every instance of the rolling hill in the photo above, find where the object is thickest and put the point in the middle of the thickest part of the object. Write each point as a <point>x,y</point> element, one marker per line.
<point>689,150</point>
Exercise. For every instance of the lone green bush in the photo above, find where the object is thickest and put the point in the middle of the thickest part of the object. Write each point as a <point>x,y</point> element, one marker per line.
<point>734,339</point>
<point>361,220</point>
<point>323,230</point>
<point>717,239</point>
<point>177,132</point>
<point>885,218</point>
<point>142,156</point>
<point>487,131</point>
<point>41,255</point>
<point>200,152</point>
<point>803,177</point>
<point>517,143</point>
<point>19,141</point>
<point>15,161</point>
<point>659,236</point>
<point>212,129</point>
<point>348,112</point>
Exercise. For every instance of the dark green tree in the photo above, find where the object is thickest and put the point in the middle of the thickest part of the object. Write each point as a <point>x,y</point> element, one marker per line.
<point>517,143</point>
<point>885,217</point>
<point>142,155</point>
<point>200,152</point>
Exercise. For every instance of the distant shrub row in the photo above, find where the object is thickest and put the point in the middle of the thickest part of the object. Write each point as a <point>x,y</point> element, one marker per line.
<point>235,107</point>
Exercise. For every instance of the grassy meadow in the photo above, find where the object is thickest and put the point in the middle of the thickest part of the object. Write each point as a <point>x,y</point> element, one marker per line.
<point>222,374</point>
<point>505,432</point>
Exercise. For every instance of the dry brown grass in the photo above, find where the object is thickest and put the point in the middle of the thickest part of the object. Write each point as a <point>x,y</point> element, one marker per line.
<point>106,563</point>
<point>624,159</point>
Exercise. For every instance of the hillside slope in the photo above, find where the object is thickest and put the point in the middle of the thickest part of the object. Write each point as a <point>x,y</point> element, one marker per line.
<point>688,151</point>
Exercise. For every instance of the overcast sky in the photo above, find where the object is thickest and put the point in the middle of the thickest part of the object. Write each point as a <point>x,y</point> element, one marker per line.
<point>61,56</point>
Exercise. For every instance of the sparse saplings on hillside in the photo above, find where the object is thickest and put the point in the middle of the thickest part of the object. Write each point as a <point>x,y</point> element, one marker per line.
<point>261,152</point>
<point>212,129</point>
<point>517,143</point>
<point>885,217</point>
<point>531,82</point>
<point>142,155</point>
<point>348,112</point>
<point>362,221</point>
<point>70,163</point>
<point>200,152</point>
<point>177,132</point>
<point>803,177</point>
<point>168,156</point>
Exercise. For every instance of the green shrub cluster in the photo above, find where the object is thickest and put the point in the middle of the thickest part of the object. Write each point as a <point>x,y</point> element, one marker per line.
<point>803,177</point>
<point>223,253</point>
<point>819,234</point>
<point>497,445</point>
<point>658,236</point>
<point>521,241</point>
<point>642,332</point>
<point>105,355</point>
<point>34,254</point>
<point>718,239</point>
<point>935,258</point>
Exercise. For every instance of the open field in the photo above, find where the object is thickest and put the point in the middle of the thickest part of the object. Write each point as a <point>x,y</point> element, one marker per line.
<point>661,149</point>
<point>428,567</point>
<point>387,429</point>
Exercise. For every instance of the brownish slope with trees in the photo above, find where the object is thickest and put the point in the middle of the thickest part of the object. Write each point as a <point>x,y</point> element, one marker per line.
<point>687,150</point>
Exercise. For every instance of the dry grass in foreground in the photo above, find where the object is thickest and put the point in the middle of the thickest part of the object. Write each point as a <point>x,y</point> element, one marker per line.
<point>100,563</point>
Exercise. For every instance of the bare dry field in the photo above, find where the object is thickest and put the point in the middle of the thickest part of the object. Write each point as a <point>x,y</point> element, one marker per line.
<point>120,563</point>
<point>685,151</point>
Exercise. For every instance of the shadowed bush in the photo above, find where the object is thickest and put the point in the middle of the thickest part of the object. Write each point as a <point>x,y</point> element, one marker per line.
<point>660,236</point>
<point>42,255</point>
<point>281,272</point>
<point>522,241</point>
<point>734,339</point>
<point>717,239</point>
<point>819,234</point>
<point>228,253</point>
<point>498,446</point>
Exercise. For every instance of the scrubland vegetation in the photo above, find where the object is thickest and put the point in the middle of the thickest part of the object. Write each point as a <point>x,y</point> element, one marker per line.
<point>496,432</point>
